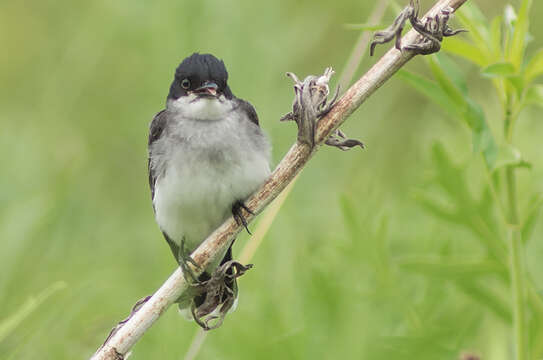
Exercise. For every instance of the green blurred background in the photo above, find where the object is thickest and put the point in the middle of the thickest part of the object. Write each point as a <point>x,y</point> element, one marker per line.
<point>80,82</point>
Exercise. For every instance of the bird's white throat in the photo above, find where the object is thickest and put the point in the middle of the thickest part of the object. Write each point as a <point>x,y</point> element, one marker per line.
<point>201,108</point>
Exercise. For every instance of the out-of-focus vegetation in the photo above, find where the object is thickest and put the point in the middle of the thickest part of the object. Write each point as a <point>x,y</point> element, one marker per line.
<point>400,251</point>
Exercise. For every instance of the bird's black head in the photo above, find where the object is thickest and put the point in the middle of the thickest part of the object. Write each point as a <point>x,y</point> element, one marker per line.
<point>201,74</point>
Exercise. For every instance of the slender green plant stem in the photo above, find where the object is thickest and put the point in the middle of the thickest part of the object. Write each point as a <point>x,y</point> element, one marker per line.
<point>517,268</point>
<point>494,191</point>
<point>196,344</point>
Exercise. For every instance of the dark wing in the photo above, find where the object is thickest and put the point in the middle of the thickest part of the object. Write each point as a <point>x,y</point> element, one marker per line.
<point>155,130</point>
<point>246,107</point>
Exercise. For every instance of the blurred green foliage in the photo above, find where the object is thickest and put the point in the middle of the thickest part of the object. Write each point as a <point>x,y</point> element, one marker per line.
<point>404,251</point>
<point>495,219</point>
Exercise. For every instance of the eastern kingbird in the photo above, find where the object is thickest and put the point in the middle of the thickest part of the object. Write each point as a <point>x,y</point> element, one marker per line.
<point>207,154</point>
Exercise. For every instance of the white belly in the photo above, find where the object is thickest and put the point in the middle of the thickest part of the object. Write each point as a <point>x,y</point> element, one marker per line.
<point>196,192</point>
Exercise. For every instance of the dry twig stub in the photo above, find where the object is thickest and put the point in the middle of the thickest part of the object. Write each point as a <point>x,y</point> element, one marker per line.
<point>311,104</point>
<point>431,30</point>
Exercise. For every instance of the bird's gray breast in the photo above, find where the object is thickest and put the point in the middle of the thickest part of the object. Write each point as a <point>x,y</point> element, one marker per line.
<point>202,168</point>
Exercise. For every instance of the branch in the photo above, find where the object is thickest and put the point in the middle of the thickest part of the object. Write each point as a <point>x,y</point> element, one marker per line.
<point>299,154</point>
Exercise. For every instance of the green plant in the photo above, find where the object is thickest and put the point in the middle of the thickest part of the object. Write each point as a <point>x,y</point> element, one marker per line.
<point>498,49</point>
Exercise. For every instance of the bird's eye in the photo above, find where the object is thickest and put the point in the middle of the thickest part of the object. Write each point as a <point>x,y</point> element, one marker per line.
<point>185,84</point>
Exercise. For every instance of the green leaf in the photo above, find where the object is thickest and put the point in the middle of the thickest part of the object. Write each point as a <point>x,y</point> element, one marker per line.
<point>430,89</point>
<point>499,70</point>
<point>496,37</point>
<point>518,44</point>
<point>534,68</point>
<point>452,95</point>
<point>488,298</point>
<point>466,50</point>
<point>436,209</point>
<point>483,139</point>
<point>450,175</point>
<point>456,204</point>
<point>509,156</point>
<point>517,82</point>
<point>455,74</point>
<point>531,217</point>
<point>534,95</point>
<point>456,96</point>
<point>475,22</point>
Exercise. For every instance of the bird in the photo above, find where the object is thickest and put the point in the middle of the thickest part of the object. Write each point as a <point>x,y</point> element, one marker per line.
<point>206,155</point>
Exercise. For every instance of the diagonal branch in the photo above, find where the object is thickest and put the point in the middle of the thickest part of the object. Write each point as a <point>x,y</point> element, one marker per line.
<point>299,154</point>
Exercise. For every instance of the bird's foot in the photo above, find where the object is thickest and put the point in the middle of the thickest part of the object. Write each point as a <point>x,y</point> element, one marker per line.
<point>310,104</point>
<point>185,260</point>
<point>237,212</point>
<point>220,294</point>
<point>431,30</point>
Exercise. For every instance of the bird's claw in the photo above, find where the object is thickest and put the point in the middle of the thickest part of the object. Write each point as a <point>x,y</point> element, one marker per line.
<point>184,259</point>
<point>221,292</point>
<point>237,212</point>
<point>431,30</point>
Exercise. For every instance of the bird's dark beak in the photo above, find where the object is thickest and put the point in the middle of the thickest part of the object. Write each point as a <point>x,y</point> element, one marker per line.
<point>208,88</point>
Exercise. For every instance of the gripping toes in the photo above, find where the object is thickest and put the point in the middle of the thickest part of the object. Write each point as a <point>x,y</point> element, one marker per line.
<point>237,212</point>
<point>184,259</point>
